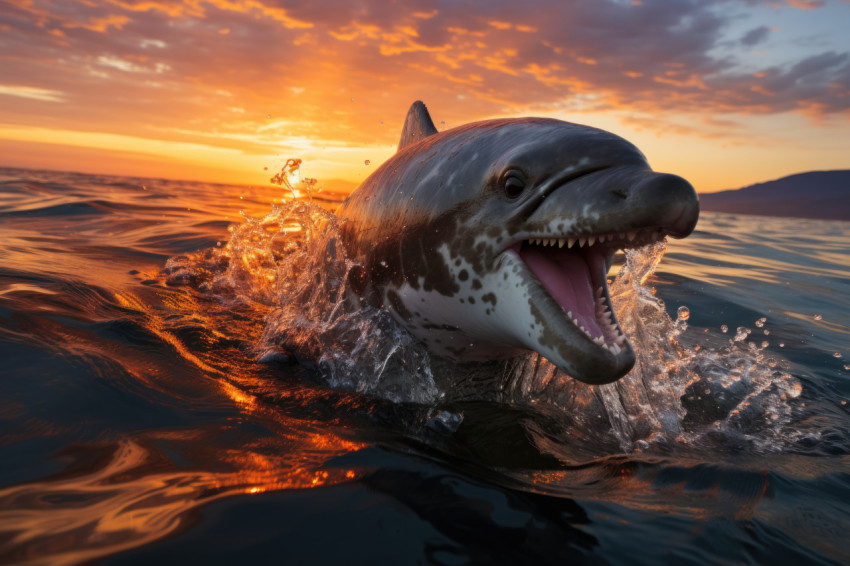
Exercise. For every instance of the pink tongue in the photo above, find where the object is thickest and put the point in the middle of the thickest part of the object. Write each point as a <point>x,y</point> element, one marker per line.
<point>566,275</point>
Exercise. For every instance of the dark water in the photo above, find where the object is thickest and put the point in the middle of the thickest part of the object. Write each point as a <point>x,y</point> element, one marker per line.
<point>151,409</point>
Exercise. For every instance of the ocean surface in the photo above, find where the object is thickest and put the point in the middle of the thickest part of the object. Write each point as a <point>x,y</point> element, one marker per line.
<point>179,381</point>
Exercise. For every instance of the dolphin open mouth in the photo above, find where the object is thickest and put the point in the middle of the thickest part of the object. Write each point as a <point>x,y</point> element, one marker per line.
<point>573,271</point>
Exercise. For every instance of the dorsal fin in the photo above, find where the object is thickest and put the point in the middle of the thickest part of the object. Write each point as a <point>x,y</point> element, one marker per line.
<point>417,125</point>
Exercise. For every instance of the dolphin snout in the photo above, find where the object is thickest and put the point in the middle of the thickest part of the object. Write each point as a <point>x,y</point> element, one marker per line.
<point>676,201</point>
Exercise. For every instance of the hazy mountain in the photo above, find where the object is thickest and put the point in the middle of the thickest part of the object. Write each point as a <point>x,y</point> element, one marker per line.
<point>817,194</point>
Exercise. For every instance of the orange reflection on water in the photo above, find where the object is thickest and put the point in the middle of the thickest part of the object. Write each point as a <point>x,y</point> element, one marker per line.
<point>136,496</point>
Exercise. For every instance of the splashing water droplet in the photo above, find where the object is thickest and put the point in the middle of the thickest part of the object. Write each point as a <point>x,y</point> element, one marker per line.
<point>760,322</point>
<point>818,317</point>
<point>367,162</point>
<point>741,333</point>
<point>268,116</point>
<point>724,329</point>
<point>765,344</point>
<point>352,99</point>
<point>847,367</point>
<point>684,313</point>
<point>836,354</point>
<point>442,121</point>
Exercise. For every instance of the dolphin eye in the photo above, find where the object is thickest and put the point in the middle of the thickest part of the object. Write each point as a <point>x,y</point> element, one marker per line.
<point>513,182</point>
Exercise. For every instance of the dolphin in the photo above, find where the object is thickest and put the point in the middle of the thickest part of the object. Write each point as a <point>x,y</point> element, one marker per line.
<point>494,238</point>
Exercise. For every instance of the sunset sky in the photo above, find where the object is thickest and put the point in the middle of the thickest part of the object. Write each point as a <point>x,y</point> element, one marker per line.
<point>724,93</point>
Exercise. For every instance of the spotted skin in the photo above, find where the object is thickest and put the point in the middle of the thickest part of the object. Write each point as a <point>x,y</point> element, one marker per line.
<point>440,231</point>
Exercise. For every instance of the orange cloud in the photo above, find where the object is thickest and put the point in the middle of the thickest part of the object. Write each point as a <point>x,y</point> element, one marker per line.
<point>239,74</point>
<point>806,4</point>
<point>100,25</point>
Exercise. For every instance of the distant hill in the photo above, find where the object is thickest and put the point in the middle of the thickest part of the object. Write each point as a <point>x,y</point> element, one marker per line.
<point>817,194</point>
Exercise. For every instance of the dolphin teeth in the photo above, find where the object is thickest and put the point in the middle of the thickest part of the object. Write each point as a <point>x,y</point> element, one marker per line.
<point>591,240</point>
<point>582,241</point>
<point>571,242</point>
<point>561,242</point>
<point>631,235</point>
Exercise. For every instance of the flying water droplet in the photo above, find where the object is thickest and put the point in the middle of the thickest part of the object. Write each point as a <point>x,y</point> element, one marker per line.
<point>818,317</point>
<point>367,162</point>
<point>684,313</point>
<point>724,329</point>
<point>760,322</point>
<point>836,354</point>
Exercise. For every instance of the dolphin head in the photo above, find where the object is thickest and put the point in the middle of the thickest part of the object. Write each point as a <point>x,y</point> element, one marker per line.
<point>496,238</point>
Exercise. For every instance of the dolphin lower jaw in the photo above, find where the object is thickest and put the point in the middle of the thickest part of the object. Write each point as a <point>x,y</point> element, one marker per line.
<point>575,329</point>
<point>575,326</point>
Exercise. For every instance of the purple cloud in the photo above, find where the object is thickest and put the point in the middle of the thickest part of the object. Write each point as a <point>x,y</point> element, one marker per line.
<point>221,65</point>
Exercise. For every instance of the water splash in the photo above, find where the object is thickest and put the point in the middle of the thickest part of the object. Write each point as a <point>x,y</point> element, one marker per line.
<point>289,176</point>
<point>290,267</point>
<point>678,393</point>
